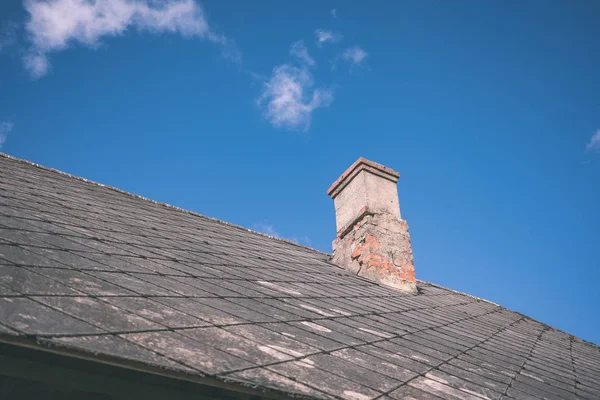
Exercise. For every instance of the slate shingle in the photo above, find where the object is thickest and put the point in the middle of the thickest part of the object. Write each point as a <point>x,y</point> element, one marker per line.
<point>29,317</point>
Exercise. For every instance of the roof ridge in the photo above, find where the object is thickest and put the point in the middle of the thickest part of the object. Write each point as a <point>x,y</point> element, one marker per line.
<point>160,203</point>
<point>463,293</point>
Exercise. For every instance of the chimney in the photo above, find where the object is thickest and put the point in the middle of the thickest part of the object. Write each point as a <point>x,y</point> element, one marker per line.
<point>372,239</point>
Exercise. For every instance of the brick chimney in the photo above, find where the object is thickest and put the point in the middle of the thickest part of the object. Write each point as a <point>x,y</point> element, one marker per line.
<point>372,239</point>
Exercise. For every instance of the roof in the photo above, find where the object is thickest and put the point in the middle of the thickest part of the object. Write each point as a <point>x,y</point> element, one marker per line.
<point>94,272</point>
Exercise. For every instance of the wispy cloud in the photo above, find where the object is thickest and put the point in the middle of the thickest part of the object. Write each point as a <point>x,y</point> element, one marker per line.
<point>354,55</point>
<point>324,37</point>
<point>299,50</point>
<point>288,97</point>
<point>334,13</point>
<point>5,128</point>
<point>266,228</point>
<point>304,240</point>
<point>8,34</point>
<point>594,143</point>
<point>270,230</point>
<point>53,25</point>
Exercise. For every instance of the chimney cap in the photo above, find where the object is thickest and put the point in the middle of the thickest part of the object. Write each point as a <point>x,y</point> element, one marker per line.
<point>358,166</point>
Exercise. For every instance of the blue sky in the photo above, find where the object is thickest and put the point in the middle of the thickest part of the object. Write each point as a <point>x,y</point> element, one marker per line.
<point>248,111</point>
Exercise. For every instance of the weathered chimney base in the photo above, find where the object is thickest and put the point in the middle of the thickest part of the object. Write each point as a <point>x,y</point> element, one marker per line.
<point>377,247</point>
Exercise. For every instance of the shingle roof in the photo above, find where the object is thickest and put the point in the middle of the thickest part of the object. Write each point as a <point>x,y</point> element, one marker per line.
<point>92,270</point>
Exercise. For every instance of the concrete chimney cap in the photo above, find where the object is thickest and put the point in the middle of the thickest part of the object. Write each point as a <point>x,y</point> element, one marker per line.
<point>358,166</point>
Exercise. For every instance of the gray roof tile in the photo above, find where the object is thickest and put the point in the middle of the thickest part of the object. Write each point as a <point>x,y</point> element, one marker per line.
<point>22,280</point>
<point>187,351</point>
<point>311,338</point>
<point>326,380</point>
<point>157,312</point>
<point>473,385</point>
<point>201,311</point>
<point>382,366</point>
<point>406,392</point>
<point>258,353</point>
<point>439,387</point>
<point>29,317</point>
<point>421,359</point>
<point>84,282</point>
<point>269,379</point>
<point>107,317</point>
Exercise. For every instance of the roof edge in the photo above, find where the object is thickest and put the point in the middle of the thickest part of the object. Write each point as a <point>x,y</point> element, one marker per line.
<point>46,346</point>
<point>464,294</point>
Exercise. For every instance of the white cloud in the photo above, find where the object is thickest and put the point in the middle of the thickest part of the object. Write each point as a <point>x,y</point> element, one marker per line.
<point>299,50</point>
<point>355,55</point>
<point>303,240</point>
<point>231,51</point>
<point>334,13</point>
<point>266,228</point>
<point>36,64</point>
<point>287,98</point>
<point>5,129</point>
<point>324,37</point>
<point>55,24</point>
<point>594,143</point>
<point>8,34</point>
